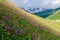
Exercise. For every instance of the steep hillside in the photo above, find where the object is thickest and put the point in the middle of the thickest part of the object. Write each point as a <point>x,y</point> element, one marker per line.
<point>16,24</point>
<point>55,15</point>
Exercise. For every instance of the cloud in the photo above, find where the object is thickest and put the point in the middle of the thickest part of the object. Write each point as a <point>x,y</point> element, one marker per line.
<point>50,3</point>
<point>37,3</point>
<point>56,2</point>
<point>25,1</point>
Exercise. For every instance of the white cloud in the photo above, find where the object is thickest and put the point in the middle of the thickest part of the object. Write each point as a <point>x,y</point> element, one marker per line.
<point>25,1</point>
<point>56,2</point>
<point>37,3</point>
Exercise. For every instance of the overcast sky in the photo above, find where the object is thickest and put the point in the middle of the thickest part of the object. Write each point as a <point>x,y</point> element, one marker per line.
<point>37,3</point>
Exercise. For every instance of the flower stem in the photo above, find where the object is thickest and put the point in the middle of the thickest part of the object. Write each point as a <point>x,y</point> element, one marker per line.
<point>2,37</point>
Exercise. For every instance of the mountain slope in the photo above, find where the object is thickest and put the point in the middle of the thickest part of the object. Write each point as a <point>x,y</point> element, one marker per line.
<point>55,15</point>
<point>45,13</point>
<point>16,24</point>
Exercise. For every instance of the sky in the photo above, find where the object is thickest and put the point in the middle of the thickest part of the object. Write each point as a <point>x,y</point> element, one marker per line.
<point>37,3</point>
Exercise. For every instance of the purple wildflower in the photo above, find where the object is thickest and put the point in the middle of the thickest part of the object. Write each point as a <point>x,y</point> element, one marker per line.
<point>11,30</point>
<point>5,17</point>
<point>6,27</point>
<point>17,31</point>
<point>22,32</point>
<point>15,23</point>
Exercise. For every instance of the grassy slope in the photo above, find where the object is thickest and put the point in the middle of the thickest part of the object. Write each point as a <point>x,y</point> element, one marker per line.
<point>29,23</point>
<point>55,15</point>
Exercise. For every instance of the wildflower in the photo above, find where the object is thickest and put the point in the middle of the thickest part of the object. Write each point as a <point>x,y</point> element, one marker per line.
<point>6,27</point>
<point>11,31</point>
<point>5,17</point>
<point>17,31</point>
<point>22,32</point>
<point>15,23</point>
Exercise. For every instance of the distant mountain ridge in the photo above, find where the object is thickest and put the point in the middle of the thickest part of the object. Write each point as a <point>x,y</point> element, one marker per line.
<point>44,13</point>
<point>47,12</point>
<point>33,10</point>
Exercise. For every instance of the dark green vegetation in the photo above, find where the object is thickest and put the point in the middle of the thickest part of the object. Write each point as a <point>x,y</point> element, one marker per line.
<point>15,27</point>
<point>47,12</point>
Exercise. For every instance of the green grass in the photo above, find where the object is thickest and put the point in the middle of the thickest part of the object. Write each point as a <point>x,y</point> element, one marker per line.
<point>55,15</point>
<point>30,27</point>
